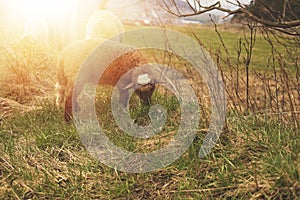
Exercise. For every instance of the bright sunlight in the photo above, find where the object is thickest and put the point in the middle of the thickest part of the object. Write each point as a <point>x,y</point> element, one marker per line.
<point>48,9</point>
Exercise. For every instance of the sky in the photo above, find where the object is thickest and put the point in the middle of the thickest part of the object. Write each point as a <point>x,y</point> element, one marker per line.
<point>132,3</point>
<point>17,11</point>
<point>223,2</point>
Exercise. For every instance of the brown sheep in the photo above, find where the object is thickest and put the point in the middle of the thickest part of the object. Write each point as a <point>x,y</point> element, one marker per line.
<point>74,55</point>
<point>110,76</point>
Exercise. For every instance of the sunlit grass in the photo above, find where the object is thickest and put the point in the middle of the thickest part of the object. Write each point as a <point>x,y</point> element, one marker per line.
<point>233,39</point>
<point>43,157</point>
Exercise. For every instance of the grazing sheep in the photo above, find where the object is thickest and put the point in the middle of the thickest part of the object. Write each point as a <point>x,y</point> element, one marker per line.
<point>76,53</point>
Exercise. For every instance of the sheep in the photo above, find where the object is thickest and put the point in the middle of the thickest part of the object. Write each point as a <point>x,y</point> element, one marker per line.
<point>73,56</point>
<point>140,79</point>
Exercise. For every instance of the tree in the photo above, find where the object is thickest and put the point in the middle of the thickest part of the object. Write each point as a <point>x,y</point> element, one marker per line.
<point>276,11</point>
<point>280,15</point>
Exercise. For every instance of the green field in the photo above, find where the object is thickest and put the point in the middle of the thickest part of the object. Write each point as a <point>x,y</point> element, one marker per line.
<point>256,157</point>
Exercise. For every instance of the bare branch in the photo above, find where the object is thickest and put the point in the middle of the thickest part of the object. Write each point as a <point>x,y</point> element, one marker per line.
<point>290,27</point>
<point>202,9</point>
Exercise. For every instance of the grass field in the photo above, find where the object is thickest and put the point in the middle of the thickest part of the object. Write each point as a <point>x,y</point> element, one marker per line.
<point>256,157</point>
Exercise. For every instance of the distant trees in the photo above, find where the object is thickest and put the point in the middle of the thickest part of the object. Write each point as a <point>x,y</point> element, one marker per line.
<point>276,11</point>
<point>280,15</point>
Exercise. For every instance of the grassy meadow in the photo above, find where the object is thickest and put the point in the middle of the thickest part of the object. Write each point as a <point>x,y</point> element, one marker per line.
<point>256,157</point>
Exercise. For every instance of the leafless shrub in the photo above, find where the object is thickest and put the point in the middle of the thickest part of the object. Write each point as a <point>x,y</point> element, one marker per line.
<point>271,90</point>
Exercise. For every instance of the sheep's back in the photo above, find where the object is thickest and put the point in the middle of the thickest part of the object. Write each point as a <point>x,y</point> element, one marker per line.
<point>85,51</point>
<point>121,65</point>
<point>73,56</point>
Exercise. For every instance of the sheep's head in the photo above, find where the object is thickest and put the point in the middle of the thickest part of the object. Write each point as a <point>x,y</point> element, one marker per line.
<point>144,87</point>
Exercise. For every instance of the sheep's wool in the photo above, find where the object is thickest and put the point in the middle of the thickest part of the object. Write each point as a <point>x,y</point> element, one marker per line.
<point>102,25</point>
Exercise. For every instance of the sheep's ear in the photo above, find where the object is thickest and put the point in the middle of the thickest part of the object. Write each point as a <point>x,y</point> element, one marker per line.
<point>129,86</point>
<point>159,82</point>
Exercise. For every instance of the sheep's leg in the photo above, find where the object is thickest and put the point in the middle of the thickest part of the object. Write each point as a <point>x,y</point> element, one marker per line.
<point>61,84</point>
<point>68,108</point>
<point>124,93</point>
<point>69,104</point>
<point>60,93</point>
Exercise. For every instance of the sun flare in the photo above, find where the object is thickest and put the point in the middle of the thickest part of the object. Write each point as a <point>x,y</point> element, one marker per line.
<point>49,9</point>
